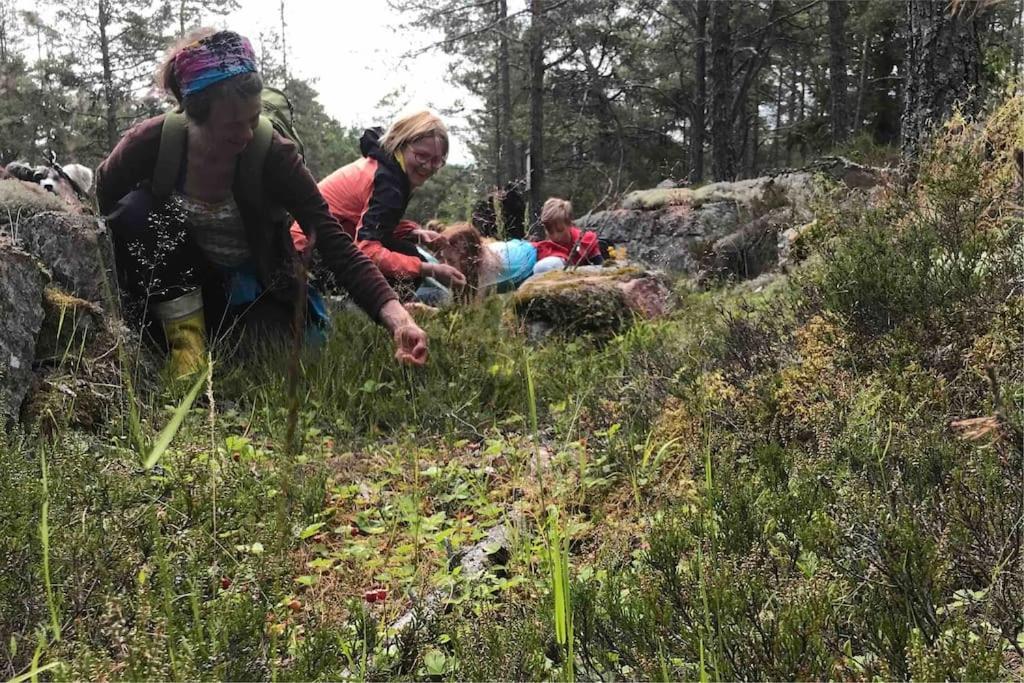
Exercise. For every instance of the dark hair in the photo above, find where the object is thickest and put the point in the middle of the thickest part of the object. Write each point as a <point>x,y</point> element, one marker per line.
<point>197,105</point>
<point>464,250</point>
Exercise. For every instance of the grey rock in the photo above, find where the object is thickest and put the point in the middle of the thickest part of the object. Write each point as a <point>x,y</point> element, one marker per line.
<point>671,238</point>
<point>751,250</point>
<point>681,229</point>
<point>74,247</point>
<point>22,281</point>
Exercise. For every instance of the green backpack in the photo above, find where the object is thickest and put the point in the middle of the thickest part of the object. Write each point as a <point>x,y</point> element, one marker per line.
<point>278,115</point>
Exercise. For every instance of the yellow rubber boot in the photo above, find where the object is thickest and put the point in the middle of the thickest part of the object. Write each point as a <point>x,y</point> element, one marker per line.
<point>185,329</point>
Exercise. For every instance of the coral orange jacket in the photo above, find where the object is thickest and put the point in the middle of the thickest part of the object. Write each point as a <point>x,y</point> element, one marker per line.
<point>368,198</point>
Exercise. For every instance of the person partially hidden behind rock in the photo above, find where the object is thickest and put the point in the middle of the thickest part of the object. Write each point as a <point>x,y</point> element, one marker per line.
<point>503,265</point>
<point>369,197</point>
<point>565,244</point>
<point>214,255</point>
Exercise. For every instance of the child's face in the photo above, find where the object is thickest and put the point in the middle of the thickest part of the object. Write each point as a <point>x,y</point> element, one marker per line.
<point>559,233</point>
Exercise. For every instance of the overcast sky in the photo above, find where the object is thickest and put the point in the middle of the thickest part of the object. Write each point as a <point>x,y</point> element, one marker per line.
<point>356,50</point>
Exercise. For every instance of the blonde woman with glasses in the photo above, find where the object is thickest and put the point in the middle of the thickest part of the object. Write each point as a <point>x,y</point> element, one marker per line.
<point>369,198</point>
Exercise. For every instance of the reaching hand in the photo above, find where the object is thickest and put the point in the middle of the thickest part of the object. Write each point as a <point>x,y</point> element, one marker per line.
<point>410,340</point>
<point>430,238</point>
<point>445,274</point>
<point>410,344</point>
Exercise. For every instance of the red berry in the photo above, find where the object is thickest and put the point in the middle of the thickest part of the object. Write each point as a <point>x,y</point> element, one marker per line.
<point>353,530</point>
<point>382,594</point>
<point>225,582</point>
<point>370,596</point>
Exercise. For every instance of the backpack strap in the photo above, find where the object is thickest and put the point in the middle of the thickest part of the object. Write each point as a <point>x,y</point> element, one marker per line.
<point>250,166</point>
<point>173,135</point>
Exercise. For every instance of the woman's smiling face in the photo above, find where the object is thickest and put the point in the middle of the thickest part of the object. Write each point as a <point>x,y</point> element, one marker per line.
<point>422,159</point>
<point>231,123</point>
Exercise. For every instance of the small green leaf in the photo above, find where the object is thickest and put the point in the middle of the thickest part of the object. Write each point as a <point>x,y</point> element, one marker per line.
<point>491,548</point>
<point>307,580</point>
<point>310,530</point>
<point>435,661</point>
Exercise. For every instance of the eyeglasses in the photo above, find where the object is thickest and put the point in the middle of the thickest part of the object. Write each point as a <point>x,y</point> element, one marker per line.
<point>427,159</point>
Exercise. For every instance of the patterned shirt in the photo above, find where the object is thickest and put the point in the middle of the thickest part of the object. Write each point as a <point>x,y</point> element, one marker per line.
<point>217,229</point>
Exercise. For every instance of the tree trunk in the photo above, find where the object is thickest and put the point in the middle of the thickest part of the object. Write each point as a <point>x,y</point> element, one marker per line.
<point>722,162</point>
<point>776,137</point>
<point>803,114</point>
<point>4,30</point>
<point>499,152</point>
<point>791,113</point>
<point>837,68</point>
<point>862,84</point>
<point>507,152</point>
<point>284,47</point>
<point>754,138</point>
<point>942,68</point>
<point>697,127</point>
<point>536,106</point>
<point>110,103</point>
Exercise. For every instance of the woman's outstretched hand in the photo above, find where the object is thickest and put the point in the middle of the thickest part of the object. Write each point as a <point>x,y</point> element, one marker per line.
<point>410,339</point>
<point>449,276</point>
<point>430,238</point>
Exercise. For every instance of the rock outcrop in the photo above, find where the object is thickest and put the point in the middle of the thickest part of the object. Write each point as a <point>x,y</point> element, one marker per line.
<point>721,229</point>
<point>74,248</point>
<point>57,360</point>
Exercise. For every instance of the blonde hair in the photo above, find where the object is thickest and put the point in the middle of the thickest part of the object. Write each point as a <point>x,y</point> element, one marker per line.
<point>556,210</point>
<point>412,128</point>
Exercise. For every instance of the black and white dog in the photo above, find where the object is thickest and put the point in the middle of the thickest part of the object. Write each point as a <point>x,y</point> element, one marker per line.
<point>70,182</point>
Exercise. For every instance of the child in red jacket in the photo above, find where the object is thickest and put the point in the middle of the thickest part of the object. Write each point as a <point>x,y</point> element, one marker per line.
<point>565,244</point>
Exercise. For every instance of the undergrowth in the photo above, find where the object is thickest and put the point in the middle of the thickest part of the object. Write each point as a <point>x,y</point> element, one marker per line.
<point>822,480</point>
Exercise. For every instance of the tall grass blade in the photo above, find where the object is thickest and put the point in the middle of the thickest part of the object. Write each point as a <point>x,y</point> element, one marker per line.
<point>168,433</point>
<point>558,559</point>
<point>33,672</point>
<point>44,537</point>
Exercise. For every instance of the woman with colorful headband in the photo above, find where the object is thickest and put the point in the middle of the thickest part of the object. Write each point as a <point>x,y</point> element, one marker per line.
<point>370,195</point>
<point>212,256</point>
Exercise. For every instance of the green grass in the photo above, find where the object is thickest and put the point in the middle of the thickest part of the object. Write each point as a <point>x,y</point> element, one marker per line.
<point>771,486</point>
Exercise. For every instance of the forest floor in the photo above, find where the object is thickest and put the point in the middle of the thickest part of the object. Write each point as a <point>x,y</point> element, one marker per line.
<point>820,479</point>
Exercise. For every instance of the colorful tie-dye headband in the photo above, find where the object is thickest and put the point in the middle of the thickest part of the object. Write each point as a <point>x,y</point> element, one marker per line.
<point>213,59</point>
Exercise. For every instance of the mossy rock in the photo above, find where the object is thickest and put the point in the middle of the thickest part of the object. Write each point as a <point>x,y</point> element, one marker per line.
<point>68,324</point>
<point>77,376</point>
<point>590,300</point>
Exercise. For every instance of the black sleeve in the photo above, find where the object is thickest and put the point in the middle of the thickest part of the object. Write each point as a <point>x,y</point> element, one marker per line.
<point>386,207</point>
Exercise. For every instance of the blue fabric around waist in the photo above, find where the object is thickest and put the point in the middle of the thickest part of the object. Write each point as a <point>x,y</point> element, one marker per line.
<point>517,260</point>
<point>243,287</point>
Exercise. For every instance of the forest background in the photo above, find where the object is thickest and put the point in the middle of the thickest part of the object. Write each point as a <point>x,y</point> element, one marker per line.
<point>582,99</point>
